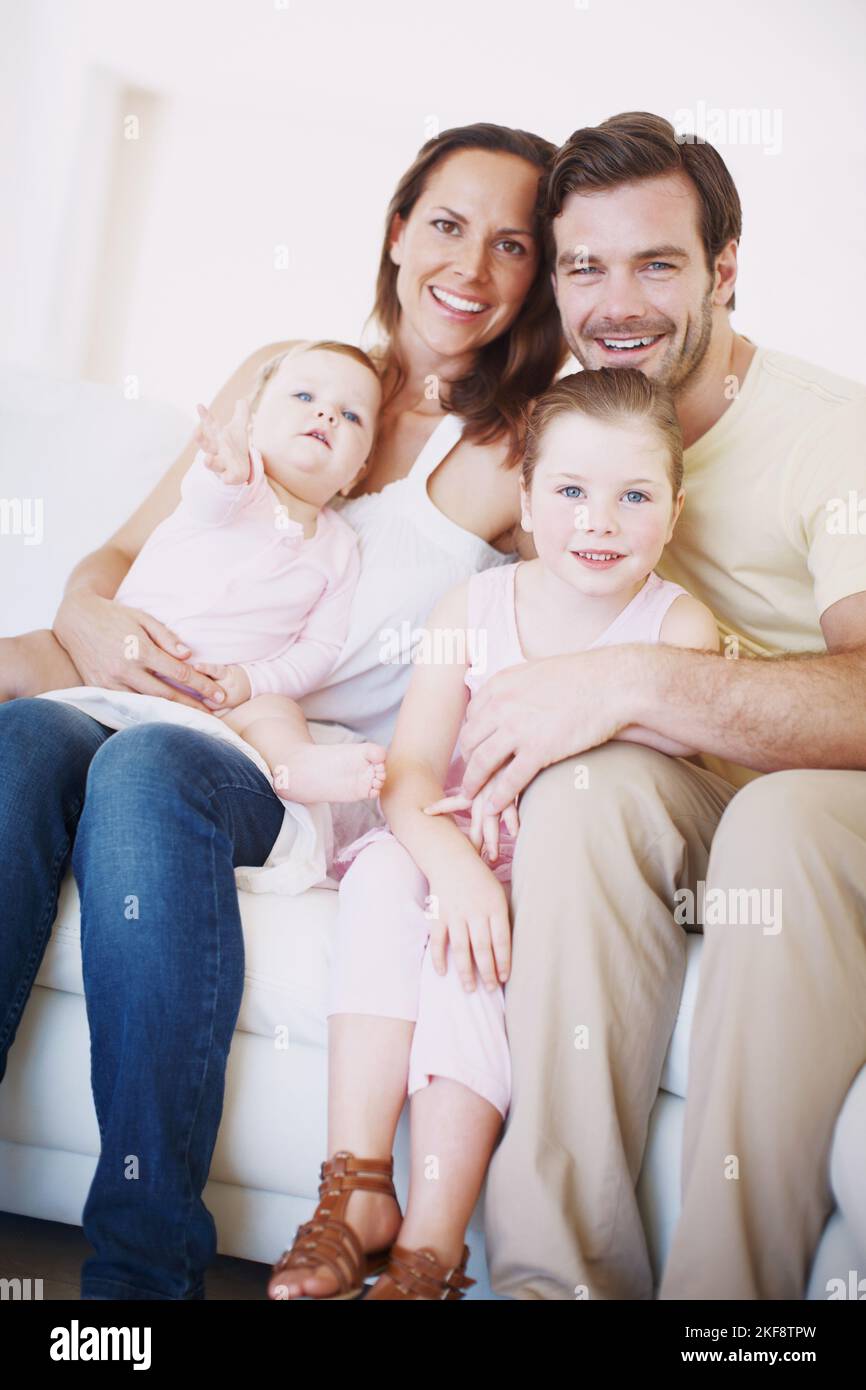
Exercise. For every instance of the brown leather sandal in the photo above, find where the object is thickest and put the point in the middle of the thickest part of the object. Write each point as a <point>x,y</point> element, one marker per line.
<point>327,1239</point>
<point>418,1274</point>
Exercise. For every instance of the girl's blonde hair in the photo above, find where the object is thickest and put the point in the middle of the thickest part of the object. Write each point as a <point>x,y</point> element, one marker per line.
<point>618,394</point>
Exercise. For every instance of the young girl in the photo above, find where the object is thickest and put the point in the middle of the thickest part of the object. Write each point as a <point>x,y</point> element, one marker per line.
<point>420,909</point>
<point>256,573</point>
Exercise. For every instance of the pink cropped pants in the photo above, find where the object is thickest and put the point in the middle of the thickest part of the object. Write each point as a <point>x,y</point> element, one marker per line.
<point>383,966</point>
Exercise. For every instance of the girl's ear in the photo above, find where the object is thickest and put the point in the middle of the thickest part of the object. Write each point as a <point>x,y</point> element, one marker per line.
<point>678,506</point>
<point>525,515</point>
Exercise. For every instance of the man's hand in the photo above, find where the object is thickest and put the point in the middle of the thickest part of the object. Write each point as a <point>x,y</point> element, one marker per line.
<point>529,716</point>
<point>226,447</point>
<point>233,680</point>
<point>483,829</point>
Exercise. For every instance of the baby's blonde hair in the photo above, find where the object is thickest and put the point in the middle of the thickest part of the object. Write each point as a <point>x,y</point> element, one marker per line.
<point>266,371</point>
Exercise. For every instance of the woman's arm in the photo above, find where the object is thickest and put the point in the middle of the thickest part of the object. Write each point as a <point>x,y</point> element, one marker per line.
<point>94,630</point>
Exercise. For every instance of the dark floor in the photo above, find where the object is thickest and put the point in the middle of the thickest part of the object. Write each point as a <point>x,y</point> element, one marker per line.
<point>54,1253</point>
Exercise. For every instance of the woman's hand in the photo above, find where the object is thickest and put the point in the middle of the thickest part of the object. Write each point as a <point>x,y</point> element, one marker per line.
<point>484,827</point>
<point>126,649</point>
<point>471,911</point>
<point>226,447</point>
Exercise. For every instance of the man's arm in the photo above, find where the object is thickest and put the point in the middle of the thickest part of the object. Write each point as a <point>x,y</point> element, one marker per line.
<point>766,713</point>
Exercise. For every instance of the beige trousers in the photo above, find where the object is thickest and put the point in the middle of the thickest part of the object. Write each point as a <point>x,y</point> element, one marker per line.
<point>598,961</point>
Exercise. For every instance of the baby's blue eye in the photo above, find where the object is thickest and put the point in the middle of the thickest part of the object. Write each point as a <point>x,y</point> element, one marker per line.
<point>304,393</point>
<point>350,415</point>
<point>571,487</point>
<point>641,496</point>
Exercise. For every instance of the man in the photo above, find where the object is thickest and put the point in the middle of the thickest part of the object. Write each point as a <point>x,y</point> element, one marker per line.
<point>643,231</point>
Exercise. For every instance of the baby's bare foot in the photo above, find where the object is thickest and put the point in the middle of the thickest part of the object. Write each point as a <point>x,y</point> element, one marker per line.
<point>331,772</point>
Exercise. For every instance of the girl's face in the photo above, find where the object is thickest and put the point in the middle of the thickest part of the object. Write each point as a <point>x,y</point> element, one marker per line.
<point>600,507</point>
<point>467,254</point>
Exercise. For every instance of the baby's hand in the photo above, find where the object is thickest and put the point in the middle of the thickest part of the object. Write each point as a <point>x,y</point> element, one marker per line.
<point>226,447</point>
<point>484,829</point>
<point>233,679</point>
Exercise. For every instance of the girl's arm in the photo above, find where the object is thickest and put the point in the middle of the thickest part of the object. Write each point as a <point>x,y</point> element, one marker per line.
<point>424,738</point>
<point>469,907</point>
<point>92,629</point>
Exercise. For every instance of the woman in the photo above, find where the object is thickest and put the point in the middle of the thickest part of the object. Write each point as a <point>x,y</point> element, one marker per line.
<point>470,324</point>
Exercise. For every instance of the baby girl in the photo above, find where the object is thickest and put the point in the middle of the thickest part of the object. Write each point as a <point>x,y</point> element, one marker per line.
<point>420,910</point>
<point>256,573</point>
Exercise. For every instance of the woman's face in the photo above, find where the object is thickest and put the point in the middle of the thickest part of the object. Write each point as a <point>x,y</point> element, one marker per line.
<point>467,254</point>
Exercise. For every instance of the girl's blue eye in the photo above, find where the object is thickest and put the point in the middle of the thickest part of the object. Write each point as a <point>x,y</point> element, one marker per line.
<point>571,487</point>
<point>304,393</point>
<point>641,496</point>
<point>350,414</point>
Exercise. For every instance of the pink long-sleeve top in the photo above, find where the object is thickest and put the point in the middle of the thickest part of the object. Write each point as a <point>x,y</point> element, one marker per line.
<point>234,576</point>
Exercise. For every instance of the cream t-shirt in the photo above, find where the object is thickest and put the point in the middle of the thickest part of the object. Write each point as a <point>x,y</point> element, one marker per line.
<point>773,530</point>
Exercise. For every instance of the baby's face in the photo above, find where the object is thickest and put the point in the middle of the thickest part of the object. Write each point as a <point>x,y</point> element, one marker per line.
<point>601,487</point>
<point>315,422</point>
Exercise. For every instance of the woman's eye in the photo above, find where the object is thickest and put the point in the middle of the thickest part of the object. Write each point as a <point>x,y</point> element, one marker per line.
<point>302,394</point>
<point>350,415</point>
<point>443,222</point>
<point>637,496</point>
<point>518,247</point>
<point>570,488</point>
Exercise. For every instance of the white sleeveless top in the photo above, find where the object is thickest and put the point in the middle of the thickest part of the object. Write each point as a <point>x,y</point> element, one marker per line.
<point>411,553</point>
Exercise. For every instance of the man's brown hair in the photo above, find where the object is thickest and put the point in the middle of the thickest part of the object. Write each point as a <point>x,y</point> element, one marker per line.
<point>639,145</point>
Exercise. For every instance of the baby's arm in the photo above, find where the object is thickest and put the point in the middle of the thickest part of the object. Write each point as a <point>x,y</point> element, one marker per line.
<point>687,623</point>
<point>469,906</point>
<point>315,651</point>
<point>226,474</point>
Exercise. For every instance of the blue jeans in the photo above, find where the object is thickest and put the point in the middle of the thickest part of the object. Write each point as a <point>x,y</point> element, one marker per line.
<point>153,819</point>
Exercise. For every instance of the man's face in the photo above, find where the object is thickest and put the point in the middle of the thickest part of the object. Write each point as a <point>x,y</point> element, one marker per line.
<point>630,265</point>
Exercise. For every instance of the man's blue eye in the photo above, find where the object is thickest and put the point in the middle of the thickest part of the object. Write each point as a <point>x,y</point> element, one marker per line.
<point>304,393</point>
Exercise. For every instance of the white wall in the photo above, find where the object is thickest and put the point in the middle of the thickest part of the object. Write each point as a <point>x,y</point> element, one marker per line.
<point>287,122</point>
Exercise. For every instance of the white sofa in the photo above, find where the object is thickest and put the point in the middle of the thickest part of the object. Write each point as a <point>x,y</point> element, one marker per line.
<point>91,455</point>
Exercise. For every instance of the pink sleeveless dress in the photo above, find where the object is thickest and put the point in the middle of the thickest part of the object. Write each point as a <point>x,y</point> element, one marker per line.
<point>491,612</point>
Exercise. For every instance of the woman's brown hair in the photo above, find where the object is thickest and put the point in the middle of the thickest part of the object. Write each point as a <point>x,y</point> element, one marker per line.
<point>620,395</point>
<point>640,145</point>
<point>523,360</point>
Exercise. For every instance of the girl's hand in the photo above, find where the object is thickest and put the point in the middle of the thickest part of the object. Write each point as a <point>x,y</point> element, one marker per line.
<point>226,447</point>
<point>233,679</point>
<point>471,911</point>
<point>126,649</point>
<point>484,828</point>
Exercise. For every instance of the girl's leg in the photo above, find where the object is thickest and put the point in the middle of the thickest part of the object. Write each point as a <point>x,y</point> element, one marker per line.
<point>303,770</point>
<point>372,1006</point>
<point>33,663</point>
<point>460,1088</point>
